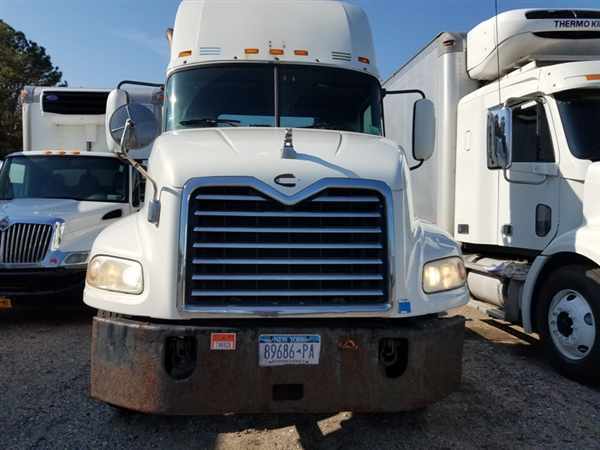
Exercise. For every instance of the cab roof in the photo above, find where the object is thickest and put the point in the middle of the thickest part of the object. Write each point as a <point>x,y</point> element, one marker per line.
<point>318,32</point>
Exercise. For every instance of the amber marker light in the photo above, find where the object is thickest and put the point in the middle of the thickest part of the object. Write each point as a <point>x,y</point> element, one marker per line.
<point>301,52</point>
<point>185,53</point>
<point>251,51</point>
<point>364,60</point>
<point>593,77</point>
<point>276,51</point>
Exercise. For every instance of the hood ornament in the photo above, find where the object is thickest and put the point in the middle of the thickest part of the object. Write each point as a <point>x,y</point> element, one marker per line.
<point>288,151</point>
<point>4,224</point>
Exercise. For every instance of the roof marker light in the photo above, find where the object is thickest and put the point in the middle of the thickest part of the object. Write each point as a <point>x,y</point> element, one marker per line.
<point>185,53</point>
<point>301,52</point>
<point>593,77</point>
<point>364,60</point>
<point>251,51</point>
<point>276,51</point>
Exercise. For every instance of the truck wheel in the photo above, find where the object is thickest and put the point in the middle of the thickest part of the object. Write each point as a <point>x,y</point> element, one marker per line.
<point>568,316</point>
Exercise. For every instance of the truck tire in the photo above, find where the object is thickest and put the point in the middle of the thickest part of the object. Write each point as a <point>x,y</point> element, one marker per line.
<point>568,318</point>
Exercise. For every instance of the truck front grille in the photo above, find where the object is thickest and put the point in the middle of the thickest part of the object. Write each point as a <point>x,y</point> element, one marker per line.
<point>247,249</point>
<point>24,243</point>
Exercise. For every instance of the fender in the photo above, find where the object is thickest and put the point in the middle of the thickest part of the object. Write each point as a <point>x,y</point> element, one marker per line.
<point>584,241</point>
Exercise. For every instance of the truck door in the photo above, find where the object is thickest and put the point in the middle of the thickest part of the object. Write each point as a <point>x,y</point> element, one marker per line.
<point>528,192</point>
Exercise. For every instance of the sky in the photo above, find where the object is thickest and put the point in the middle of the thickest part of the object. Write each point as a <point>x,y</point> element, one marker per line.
<point>97,43</point>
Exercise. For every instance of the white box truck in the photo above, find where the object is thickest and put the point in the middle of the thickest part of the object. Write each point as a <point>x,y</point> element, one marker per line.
<point>278,265</point>
<point>515,173</point>
<point>62,190</point>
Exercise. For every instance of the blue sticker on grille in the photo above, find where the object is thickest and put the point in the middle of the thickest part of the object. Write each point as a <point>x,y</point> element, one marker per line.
<point>404,307</point>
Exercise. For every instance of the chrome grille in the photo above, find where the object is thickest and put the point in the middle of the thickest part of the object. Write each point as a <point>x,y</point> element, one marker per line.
<point>24,243</point>
<point>247,249</point>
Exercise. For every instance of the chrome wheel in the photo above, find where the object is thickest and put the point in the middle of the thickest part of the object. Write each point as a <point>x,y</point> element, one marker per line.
<point>571,324</point>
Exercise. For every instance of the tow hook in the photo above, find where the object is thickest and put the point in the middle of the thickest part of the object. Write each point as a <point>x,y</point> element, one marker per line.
<point>393,356</point>
<point>180,356</point>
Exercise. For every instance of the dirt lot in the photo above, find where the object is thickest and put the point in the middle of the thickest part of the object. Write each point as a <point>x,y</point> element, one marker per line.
<point>509,398</point>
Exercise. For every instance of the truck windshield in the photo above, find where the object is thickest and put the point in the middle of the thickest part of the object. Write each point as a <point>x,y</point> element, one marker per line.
<point>261,95</point>
<point>83,178</point>
<point>580,115</point>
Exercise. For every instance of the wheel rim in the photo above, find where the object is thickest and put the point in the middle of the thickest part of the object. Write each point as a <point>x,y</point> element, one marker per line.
<point>571,324</point>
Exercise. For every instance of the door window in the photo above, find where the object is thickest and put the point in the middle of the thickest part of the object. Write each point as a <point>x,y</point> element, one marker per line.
<point>531,141</point>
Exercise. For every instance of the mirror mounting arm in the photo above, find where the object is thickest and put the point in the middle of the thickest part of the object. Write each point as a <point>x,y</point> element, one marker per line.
<point>385,92</point>
<point>154,205</point>
<point>418,165</point>
<point>531,183</point>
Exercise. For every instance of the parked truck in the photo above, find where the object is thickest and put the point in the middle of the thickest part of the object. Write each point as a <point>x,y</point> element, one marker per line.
<point>515,175</point>
<point>276,264</point>
<point>61,190</point>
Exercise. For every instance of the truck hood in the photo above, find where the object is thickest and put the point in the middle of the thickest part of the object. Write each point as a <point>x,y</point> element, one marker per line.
<point>83,220</point>
<point>185,154</point>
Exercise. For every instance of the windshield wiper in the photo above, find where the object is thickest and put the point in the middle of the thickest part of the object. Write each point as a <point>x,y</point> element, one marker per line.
<point>209,122</point>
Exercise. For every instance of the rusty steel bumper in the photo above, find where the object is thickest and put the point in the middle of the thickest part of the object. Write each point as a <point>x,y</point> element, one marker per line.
<point>133,366</point>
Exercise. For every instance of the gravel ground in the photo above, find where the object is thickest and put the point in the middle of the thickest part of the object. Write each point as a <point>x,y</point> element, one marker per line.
<point>509,398</point>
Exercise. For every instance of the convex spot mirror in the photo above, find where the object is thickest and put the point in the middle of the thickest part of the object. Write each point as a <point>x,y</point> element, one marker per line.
<point>423,130</point>
<point>143,129</point>
<point>499,138</point>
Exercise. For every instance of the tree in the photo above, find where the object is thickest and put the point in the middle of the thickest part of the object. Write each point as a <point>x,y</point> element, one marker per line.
<point>22,62</point>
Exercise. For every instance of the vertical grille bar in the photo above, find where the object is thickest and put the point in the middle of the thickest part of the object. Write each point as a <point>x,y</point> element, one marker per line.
<point>24,243</point>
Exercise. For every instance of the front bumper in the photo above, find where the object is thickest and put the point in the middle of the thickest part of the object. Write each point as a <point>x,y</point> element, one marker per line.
<point>129,366</point>
<point>39,282</point>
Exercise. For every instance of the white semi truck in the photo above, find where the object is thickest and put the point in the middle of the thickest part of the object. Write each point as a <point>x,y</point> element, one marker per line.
<point>515,175</point>
<point>64,188</point>
<point>276,264</point>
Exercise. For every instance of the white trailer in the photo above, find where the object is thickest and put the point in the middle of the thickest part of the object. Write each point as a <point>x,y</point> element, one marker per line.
<point>62,190</point>
<point>514,176</point>
<point>278,266</point>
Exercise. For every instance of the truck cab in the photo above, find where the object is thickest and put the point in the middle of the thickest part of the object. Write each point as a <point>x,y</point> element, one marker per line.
<point>61,191</point>
<point>516,164</point>
<point>277,257</point>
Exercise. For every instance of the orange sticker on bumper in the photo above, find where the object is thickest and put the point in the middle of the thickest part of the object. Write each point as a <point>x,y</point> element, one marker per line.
<point>5,303</point>
<point>223,341</point>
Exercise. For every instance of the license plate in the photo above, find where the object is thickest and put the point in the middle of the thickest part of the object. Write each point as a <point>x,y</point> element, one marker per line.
<point>288,349</point>
<point>5,303</point>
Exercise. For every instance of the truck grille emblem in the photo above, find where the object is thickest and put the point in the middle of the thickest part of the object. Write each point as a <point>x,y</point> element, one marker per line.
<point>286,180</point>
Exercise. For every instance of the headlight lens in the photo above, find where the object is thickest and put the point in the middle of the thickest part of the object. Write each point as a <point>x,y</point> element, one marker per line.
<point>444,275</point>
<point>115,274</point>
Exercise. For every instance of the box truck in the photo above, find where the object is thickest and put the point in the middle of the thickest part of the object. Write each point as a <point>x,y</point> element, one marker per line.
<point>276,264</point>
<point>62,190</point>
<point>515,172</point>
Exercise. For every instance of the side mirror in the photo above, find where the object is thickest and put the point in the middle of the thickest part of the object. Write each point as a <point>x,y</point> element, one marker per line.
<point>499,138</point>
<point>133,126</point>
<point>423,130</point>
<point>116,99</point>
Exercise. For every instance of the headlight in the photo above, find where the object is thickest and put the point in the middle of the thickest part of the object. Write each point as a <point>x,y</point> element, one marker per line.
<point>115,274</point>
<point>444,275</point>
